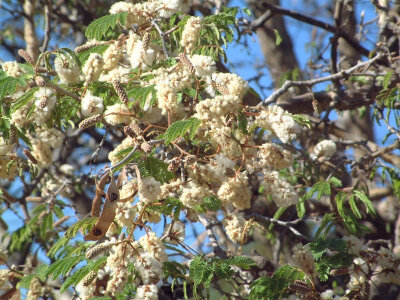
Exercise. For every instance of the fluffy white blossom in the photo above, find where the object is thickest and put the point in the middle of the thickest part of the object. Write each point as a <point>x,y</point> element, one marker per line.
<point>141,56</point>
<point>274,156</point>
<point>45,100</point>
<point>127,142</point>
<point>234,225</point>
<point>42,152</point>
<point>279,122</point>
<point>149,268</point>
<point>12,69</point>
<point>354,245</point>
<point>325,148</point>
<point>236,191</point>
<point>149,189</point>
<point>52,137</point>
<point>233,83</point>
<point>204,65</point>
<point>117,114</point>
<point>193,194</point>
<point>147,292</point>
<point>358,272</point>
<point>125,214</point>
<point>153,245</point>
<point>304,260</point>
<point>282,192</point>
<point>127,190</point>
<point>149,215</point>
<point>191,33</point>
<point>5,148</point>
<point>112,56</point>
<point>67,69</point>
<point>67,169</point>
<point>91,105</point>
<point>92,68</point>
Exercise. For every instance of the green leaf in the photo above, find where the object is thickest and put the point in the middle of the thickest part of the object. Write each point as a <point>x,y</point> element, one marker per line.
<point>57,246</point>
<point>212,203</point>
<point>84,224</point>
<point>24,99</point>
<point>141,93</point>
<point>98,28</point>
<point>247,11</point>
<point>8,86</point>
<point>222,270</point>
<point>242,122</point>
<point>278,38</point>
<point>75,278</point>
<point>386,79</point>
<point>274,287</point>
<point>242,262</point>
<point>153,167</point>
<point>63,266</point>
<point>353,207</point>
<point>368,204</point>
<point>179,128</point>
<point>335,181</point>
<point>200,271</point>
<point>302,120</point>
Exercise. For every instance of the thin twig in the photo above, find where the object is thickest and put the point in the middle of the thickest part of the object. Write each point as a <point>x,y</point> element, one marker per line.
<point>47,30</point>
<point>211,236</point>
<point>287,224</point>
<point>342,74</point>
<point>162,35</point>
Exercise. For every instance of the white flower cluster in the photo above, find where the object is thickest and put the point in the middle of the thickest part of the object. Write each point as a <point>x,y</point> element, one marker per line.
<point>282,192</point>
<point>191,33</point>
<point>325,149</point>
<point>193,194</point>
<point>304,260</point>
<point>149,190</point>
<point>45,101</point>
<point>67,69</point>
<point>91,105</point>
<point>118,114</point>
<point>233,83</point>
<point>235,226</point>
<point>236,191</point>
<point>153,245</point>
<point>92,68</point>
<point>279,122</point>
<point>358,273</point>
<point>147,292</point>
<point>12,69</point>
<point>274,156</point>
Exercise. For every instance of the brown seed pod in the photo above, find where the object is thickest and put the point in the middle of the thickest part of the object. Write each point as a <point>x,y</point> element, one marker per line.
<point>120,91</point>
<point>174,164</point>
<point>89,278</point>
<point>135,127</point>
<point>29,155</point>
<point>25,55</point>
<point>146,40</point>
<point>13,134</point>
<point>187,63</point>
<point>300,287</point>
<point>85,47</point>
<point>129,131</point>
<point>40,81</point>
<point>98,249</point>
<point>316,106</point>
<point>146,147</point>
<point>90,121</point>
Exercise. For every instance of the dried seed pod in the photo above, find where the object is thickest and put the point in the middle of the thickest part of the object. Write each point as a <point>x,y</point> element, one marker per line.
<point>25,55</point>
<point>174,164</point>
<point>146,40</point>
<point>300,287</point>
<point>90,121</point>
<point>316,106</point>
<point>187,63</point>
<point>85,47</point>
<point>40,81</point>
<point>190,160</point>
<point>230,172</point>
<point>30,156</point>
<point>129,131</point>
<point>120,91</point>
<point>135,127</point>
<point>339,271</point>
<point>98,249</point>
<point>89,278</point>
<point>146,147</point>
<point>60,221</point>
<point>13,134</point>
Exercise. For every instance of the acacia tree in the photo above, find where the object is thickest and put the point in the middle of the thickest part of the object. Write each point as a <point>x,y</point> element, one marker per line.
<point>111,151</point>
